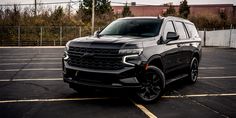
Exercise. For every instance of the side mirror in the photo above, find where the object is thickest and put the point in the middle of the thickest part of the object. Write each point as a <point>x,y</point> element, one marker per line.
<point>172,36</point>
<point>96,34</point>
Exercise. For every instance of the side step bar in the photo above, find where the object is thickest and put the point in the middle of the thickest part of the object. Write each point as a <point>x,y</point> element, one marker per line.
<point>176,78</point>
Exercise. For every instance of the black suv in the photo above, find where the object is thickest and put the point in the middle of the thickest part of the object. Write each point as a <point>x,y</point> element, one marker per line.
<point>137,53</point>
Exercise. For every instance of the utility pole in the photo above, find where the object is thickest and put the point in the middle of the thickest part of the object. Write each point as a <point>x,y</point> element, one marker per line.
<point>35,7</point>
<point>69,9</point>
<point>93,7</point>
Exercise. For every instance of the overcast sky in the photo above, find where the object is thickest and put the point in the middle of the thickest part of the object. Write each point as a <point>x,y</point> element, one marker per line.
<point>151,2</point>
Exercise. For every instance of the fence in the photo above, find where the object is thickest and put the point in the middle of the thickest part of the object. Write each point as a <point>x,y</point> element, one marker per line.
<point>225,38</point>
<point>59,35</point>
<point>40,35</point>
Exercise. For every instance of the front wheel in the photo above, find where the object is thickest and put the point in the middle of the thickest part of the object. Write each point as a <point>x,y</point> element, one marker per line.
<point>193,73</point>
<point>152,85</point>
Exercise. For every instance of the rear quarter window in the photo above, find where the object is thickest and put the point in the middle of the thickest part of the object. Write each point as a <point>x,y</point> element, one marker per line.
<point>181,30</point>
<point>192,30</point>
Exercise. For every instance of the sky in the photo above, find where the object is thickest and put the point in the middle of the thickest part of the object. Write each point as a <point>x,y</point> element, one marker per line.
<point>149,2</point>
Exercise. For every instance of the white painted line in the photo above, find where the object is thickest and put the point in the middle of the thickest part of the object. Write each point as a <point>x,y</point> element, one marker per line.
<point>219,77</point>
<point>144,110</point>
<point>200,95</point>
<point>49,100</point>
<point>31,69</point>
<point>22,47</point>
<point>59,79</point>
<point>40,63</point>
<point>24,54</point>
<point>36,79</point>
<point>34,59</point>
<point>210,68</point>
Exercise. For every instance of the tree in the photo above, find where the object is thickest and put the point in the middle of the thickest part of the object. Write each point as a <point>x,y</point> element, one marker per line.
<point>101,7</point>
<point>126,11</point>
<point>170,11</point>
<point>184,9</point>
<point>57,16</point>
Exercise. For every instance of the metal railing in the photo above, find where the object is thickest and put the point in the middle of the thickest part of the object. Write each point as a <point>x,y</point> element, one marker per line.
<point>40,35</point>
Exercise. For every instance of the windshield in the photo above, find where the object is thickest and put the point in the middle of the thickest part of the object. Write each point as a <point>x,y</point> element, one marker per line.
<point>133,27</point>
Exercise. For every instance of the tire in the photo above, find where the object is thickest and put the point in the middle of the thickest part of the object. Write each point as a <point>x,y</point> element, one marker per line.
<point>193,72</point>
<point>151,89</point>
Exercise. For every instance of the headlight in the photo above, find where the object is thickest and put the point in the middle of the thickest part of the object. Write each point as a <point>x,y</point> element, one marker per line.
<point>131,51</point>
<point>131,56</point>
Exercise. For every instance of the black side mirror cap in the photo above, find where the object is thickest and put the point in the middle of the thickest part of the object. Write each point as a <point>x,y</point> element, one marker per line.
<point>96,33</point>
<point>172,36</point>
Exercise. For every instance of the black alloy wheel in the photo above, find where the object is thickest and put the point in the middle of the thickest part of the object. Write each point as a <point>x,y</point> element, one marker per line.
<point>152,85</point>
<point>193,75</point>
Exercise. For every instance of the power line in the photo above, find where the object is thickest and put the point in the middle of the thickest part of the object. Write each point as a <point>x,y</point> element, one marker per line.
<point>40,3</point>
<point>78,1</point>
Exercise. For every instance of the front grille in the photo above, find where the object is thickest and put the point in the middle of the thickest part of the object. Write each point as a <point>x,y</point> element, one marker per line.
<point>94,58</point>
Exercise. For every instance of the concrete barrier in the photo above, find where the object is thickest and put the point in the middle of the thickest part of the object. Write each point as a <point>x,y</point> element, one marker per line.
<point>225,38</point>
<point>233,38</point>
<point>201,34</point>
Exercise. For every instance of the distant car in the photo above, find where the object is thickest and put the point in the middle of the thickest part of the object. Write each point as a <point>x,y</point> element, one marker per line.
<point>136,53</point>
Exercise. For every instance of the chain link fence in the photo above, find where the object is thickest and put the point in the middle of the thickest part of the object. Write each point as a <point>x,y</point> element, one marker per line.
<point>40,35</point>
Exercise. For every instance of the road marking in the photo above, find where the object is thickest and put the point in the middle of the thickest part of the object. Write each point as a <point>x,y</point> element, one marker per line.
<point>43,63</point>
<point>219,77</point>
<point>210,68</point>
<point>31,69</point>
<point>59,79</point>
<point>36,79</point>
<point>200,95</point>
<point>32,47</point>
<point>34,59</point>
<point>144,110</point>
<point>31,54</point>
<point>49,100</point>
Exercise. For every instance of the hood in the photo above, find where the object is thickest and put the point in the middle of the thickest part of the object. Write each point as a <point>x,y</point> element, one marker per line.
<point>110,42</point>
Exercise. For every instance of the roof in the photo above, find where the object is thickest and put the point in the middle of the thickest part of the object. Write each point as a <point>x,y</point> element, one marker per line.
<point>159,17</point>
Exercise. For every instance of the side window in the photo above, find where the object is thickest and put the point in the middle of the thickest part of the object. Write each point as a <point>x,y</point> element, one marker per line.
<point>192,30</point>
<point>181,30</point>
<point>169,27</point>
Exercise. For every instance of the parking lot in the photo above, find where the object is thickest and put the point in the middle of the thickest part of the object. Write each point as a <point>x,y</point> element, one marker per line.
<point>31,86</point>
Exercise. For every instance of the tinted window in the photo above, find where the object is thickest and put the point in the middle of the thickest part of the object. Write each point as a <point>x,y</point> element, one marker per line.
<point>133,27</point>
<point>192,30</point>
<point>181,30</point>
<point>168,28</point>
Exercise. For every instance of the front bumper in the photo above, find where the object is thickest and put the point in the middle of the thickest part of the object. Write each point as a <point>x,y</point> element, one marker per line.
<point>123,78</point>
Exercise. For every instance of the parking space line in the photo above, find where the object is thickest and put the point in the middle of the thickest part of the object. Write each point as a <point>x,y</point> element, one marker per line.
<point>31,69</point>
<point>24,54</point>
<point>218,77</point>
<point>59,79</point>
<point>200,95</point>
<point>34,59</point>
<point>40,63</point>
<point>51,100</point>
<point>210,68</point>
<point>36,79</point>
<point>34,47</point>
<point>144,110</point>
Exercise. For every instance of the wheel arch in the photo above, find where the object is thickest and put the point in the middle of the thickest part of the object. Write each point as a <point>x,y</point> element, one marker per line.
<point>197,55</point>
<point>156,61</point>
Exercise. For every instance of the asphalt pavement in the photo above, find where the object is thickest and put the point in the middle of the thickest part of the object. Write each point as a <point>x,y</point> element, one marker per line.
<point>31,86</point>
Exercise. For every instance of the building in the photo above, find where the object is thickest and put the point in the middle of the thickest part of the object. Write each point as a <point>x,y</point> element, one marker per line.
<point>155,10</point>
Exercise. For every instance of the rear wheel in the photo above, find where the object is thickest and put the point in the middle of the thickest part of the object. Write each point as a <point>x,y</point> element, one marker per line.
<point>193,73</point>
<point>152,85</point>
